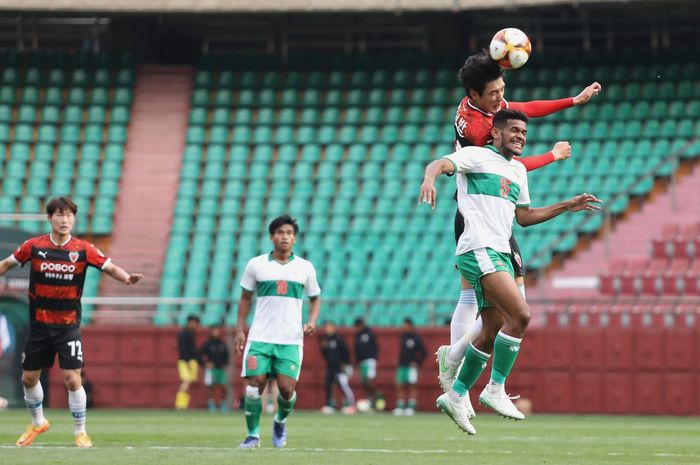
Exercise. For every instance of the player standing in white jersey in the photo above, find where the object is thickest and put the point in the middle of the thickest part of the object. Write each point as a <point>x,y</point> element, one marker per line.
<point>492,190</point>
<point>275,341</point>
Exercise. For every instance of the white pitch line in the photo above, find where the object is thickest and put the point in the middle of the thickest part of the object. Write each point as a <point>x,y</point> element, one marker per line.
<point>342,450</point>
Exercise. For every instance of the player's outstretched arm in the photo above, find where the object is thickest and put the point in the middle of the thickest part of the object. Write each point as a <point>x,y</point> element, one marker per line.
<point>314,312</point>
<point>428,194</point>
<point>587,94</point>
<point>7,264</point>
<point>122,276</point>
<point>527,216</point>
<point>537,108</point>
<point>244,305</point>
<point>560,151</point>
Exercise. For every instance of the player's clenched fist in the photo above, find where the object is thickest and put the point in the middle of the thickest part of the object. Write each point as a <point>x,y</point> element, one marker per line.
<point>561,150</point>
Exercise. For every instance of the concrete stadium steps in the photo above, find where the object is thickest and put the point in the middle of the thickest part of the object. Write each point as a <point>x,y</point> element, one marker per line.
<point>150,179</point>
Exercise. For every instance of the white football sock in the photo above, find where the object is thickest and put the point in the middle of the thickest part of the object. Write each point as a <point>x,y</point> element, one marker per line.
<point>34,398</point>
<point>458,349</point>
<point>465,325</point>
<point>464,315</point>
<point>77,402</point>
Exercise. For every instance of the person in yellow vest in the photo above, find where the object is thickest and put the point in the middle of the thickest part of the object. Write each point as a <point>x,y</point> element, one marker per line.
<point>187,362</point>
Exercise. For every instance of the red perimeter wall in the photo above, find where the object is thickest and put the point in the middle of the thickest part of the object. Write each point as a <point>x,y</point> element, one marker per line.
<point>561,369</point>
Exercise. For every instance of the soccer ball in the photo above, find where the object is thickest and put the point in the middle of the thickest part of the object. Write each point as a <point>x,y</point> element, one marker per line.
<point>3,403</point>
<point>363,405</point>
<point>510,47</point>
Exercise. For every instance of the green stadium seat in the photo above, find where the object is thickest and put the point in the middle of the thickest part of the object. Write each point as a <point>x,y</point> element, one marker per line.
<point>24,133</point>
<point>47,133</point>
<point>7,95</point>
<point>99,96</point>
<point>122,96</point>
<point>26,114</point>
<point>30,95</point>
<point>94,133</point>
<point>54,96</point>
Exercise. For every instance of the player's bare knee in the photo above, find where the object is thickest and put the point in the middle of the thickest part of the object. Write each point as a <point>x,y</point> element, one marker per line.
<point>29,381</point>
<point>73,381</point>
<point>286,391</point>
<point>522,317</point>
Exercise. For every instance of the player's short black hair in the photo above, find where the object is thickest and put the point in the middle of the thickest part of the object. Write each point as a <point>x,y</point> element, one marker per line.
<point>193,318</point>
<point>408,321</point>
<point>62,203</point>
<point>478,70</point>
<point>281,221</point>
<point>500,118</point>
<point>359,322</point>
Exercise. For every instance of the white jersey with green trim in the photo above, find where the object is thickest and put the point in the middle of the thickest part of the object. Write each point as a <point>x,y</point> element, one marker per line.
<point>279,289</point>
<point>489,187</point>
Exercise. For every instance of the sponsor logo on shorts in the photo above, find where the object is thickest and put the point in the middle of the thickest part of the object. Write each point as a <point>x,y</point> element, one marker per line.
<point>252,362</point>
<point>499,263</point>
<point>292,367</point>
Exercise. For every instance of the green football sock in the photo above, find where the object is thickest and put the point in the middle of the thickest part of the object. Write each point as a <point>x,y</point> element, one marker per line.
<point>285,407</point>
<point>412,404</point>
<point>474,364</point>
<point>253,408</point>
<point>400,403</point>
<point>505,351</point>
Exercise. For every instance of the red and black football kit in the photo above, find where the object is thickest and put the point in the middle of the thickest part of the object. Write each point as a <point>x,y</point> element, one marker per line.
<point>473,128</point>
<point>55,287</point>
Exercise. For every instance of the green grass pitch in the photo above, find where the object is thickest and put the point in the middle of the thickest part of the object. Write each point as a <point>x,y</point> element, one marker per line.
<point>174,438</point>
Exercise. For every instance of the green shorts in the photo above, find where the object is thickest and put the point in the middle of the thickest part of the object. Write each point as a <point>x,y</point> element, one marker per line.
<point>264,358</point>
<point>406,375</point>
<point>214,376</point>
<point>368,369</point>
<point>476,264</point>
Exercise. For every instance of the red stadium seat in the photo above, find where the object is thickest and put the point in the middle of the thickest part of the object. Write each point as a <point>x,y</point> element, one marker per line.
<point>695,247</point>
<point>658,248</point>
<point>651,285</point>
<point>691,283</point>
<point>606,283</point>
<point>680,246</point>
<point>658,264</point>
<point>670,283</point>
<point>629,283</point>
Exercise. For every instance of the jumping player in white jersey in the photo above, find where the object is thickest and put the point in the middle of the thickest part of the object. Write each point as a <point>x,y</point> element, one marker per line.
<point>275,341</point>
<point>492,190</point>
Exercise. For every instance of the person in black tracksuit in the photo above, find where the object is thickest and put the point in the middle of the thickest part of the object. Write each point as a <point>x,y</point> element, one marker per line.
<point>214,355</point>
<point>366,353</point>
<point>411,355</point>
<point>335,352</point>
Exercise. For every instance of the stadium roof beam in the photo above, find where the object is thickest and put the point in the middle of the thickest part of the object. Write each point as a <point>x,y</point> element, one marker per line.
<point>267,6</point>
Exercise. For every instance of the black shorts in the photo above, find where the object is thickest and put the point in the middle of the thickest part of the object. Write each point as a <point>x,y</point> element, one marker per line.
<point>43,343</point>
<point>515,258</point>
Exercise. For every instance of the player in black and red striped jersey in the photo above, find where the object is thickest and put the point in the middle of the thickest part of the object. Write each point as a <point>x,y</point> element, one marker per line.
<point>59,262</point>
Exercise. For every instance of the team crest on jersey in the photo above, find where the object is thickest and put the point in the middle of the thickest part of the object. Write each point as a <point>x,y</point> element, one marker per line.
<point>74,256</point>
<point>282,287</point>
<point>505,187</point>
